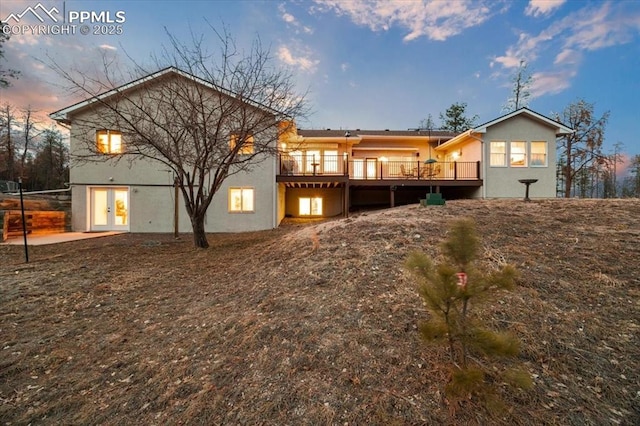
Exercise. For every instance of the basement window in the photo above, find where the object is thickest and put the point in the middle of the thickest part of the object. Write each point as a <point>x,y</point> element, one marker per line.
<point>310,206</point>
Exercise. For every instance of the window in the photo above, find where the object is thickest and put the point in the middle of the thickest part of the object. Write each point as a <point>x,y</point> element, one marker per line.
<point>498,154</point>
<point>518,154</point>
<point>538,154</point>
<point>241,200</point>
<point>109,141</point>
<point>330,163</point>
<point>313,161</point>
<point>245,142</point>
<point>310,206</point>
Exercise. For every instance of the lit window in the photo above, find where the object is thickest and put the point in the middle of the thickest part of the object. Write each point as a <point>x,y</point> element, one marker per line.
<point>310,206</point>
<point>245,143</point>
<point>241,200</point>
<point>313,161</point>
<point>538,154</point>
<point>518,154</point>
<point>109,141</point>
<point>330,162</point>
<point>498,155</point>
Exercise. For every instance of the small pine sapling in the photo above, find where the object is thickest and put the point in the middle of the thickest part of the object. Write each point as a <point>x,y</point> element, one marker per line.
<point>448,290</point>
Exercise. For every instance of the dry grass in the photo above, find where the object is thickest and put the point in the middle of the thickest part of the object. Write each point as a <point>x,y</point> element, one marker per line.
<point>316,323</point>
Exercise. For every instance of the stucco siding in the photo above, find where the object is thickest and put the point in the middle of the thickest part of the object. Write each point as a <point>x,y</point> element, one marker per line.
<point>502,181</point>
<point>150,188</point>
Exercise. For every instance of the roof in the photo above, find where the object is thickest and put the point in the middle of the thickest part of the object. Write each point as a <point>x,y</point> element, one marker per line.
<point>561,129</point>
<point>63,114</point>
<point>329,133</point>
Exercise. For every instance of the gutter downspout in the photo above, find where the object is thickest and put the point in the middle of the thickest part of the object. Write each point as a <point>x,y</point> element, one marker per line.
<point>484,164</point>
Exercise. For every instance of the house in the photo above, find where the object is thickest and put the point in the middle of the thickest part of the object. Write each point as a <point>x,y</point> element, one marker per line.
<point>115,188</point>
<point>328,172</point>
<point>316,173</point>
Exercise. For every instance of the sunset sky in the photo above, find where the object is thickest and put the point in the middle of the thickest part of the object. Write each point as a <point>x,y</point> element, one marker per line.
<point>366,64</point>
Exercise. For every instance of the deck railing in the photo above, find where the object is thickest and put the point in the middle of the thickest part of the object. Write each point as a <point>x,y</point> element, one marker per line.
<point>376,169</point>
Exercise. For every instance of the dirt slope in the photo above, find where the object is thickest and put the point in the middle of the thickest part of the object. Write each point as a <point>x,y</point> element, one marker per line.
<point>315,323</point>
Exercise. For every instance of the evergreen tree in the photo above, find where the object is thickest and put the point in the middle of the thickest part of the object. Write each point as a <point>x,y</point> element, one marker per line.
<point>455,120</point>
<point>631,186</point>
<point>448,290</point>
<point>50,167</point>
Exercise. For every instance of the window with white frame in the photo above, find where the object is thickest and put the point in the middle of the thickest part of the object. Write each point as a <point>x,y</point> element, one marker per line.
<point>310,206</point>
<point>241,200</point>
<point>109,141</point>
<point>498,154</point>
<point>518,154</point>
<point>538,156</point>
<point>245,142</point>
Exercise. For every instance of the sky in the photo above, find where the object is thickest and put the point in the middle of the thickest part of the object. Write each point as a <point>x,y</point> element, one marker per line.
<point>364,64</point>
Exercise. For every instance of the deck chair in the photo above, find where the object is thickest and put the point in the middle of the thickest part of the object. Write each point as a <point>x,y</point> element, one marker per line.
<point>430,171</point>
<point>404,172</point>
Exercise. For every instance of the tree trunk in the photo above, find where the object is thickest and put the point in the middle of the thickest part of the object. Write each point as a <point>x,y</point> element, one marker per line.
<point>199,234</point>
<point>568,181</point>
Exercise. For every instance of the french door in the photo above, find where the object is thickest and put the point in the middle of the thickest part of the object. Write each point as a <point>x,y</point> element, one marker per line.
<point>365,168</point>
<point>109,209</point>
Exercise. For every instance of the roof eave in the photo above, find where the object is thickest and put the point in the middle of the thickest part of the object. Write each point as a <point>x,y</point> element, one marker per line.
<point>62,115</point>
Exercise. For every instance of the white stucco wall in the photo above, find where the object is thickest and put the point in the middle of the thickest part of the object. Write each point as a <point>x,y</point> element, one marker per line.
<point>151,193</point>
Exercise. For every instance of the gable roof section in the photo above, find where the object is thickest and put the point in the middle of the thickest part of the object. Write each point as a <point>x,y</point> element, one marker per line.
<point>63,114</point>
<point>561,129</point>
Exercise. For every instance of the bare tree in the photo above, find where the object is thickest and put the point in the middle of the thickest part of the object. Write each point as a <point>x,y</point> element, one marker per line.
<point>29,134</point>
<point>8,149</point>
<point>521,82</point>
<point>580,149</point>
<point>208,117</point>
<point>427,123</point>
<point>5,73</point>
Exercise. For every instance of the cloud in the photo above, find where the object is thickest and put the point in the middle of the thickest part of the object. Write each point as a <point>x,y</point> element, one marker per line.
<point>293,22</point>
<point>568,56</point>
<point>301,61</point>
<point>549,83</point>
<point>288,18</point>
<point>587,29</point>
<point>537,8</point>
<point>107,47</point>
<point>436,20</point>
